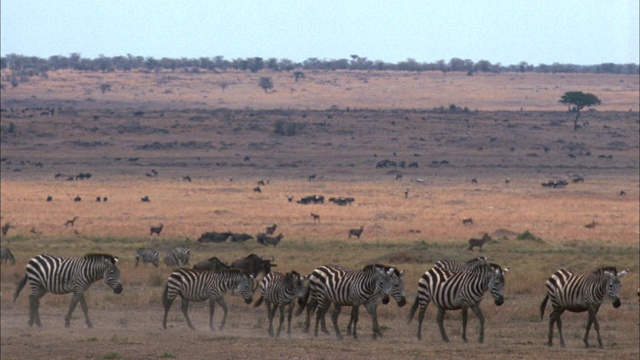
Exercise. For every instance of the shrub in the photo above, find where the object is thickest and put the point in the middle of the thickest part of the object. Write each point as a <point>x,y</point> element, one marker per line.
<point>526,235</point>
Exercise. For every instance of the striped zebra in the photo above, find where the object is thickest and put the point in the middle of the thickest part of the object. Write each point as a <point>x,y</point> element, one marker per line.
<point>58,275</point>
<point>341,286</point>
<point>458,266</point>
<point>197,285</point>
<point>278,291</point>
<point>178,257</point>
<point>147,256</point>
<point>578,292</point>
<point>6,256</point>
<point>450,290</point>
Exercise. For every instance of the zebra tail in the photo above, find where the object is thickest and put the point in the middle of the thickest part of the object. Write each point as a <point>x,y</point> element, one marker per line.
<point>258,302</point>
<point>413,309</point>
<point>303,301</point>
<point>165,296</point>
<point>543,306</point>
<point>21,285</point>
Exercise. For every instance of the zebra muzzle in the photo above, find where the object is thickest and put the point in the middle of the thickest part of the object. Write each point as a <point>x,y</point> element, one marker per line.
<point>402,302</point>
<point>500,301</point>
<point>616,303</point>
<point>385,299</point>
<point>248,300</point>
<point>117,289</point>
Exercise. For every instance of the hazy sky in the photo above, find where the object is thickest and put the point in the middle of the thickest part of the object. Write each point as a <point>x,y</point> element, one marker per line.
<point>568,31</point>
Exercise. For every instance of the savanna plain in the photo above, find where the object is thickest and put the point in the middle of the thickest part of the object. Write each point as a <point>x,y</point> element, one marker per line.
<point>150,131</point>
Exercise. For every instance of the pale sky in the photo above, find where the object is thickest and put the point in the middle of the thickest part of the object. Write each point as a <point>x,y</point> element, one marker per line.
<point>581,32</point>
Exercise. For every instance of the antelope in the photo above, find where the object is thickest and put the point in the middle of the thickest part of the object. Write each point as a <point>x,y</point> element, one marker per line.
<point>71,222</point>
<point>156,229</point>
<point>356,232</point>
<point>271,229</point>
<point>315,217</point>
<point>592,225</point>
<point>479,242</point>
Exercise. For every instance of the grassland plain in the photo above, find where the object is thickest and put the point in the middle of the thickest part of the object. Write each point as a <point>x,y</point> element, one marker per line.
<point>342,125</point>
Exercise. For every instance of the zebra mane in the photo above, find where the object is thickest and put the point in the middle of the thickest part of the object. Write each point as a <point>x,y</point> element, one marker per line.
<point>97,256</point>
<point>380,266</point>
<point>234,271</point>
<point>606,268</point>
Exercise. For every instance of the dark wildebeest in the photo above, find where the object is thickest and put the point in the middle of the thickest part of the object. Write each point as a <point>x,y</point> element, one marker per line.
<point>261,182</point>
<point>257,189</point>
<point>468,221</point>
<point>356,232</point>
<point>71,222</point>
<point>156,229</point>
<point>98,199</point>
<point>254,265</point>
<point>212,264</point>
<point>312,177</point>
<point>77,198</point>
<point>216,237</point>
<point>49,198</point>
<point>186,178</point>
<point>145,199</point>
<point>479,242</point>
<point>6,256</point>
<point>290,198</point>
<point>270,240</point>
<point>271,229</point>
<point>591,225</point>
<point>237,237</point>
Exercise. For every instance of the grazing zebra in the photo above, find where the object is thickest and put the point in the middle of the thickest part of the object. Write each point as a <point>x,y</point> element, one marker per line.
<point>6,256</point>
<point>578,292</point>
<point>458,266</point>
<point>156,230</point>
<point>450,290</point>
<point>58,275</point>
<point>196,285</point>
<point>178,257</point>
<point>479,242</point>
<point>147,256</point>
<point>356,232</point>
<point>340,286</point>
<point>279,291</point>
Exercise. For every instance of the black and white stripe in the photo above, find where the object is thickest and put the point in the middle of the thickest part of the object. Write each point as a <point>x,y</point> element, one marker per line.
<point>341,286</point>
<point>6,256</point>
<point>450,290</point>
<point>578,292</point>
<point>147,256</point>
<point>58,275</point>
<point>178,257</point>
<point>197,285</point>
<point>278,291</point>
<point>457,266</point>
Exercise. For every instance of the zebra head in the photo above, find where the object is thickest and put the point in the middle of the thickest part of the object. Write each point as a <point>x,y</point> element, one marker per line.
<point>614,285</point>
<point>497,283</point>
<point>383,283</point>
<point>296,282</point>
<point>245,287</point>
<point>397,286</point>
<point>111,274</point>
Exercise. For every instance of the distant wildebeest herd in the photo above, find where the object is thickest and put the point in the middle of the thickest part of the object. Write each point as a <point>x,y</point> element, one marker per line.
<point>449,285</point>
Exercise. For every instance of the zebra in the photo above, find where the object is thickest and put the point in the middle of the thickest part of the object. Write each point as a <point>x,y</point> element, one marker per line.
<point>147,256</point>
<point>331,284</point>
<point>196,285</point>
<point>578,292</point>
<point>178,257</point>
<point>457,266</point>
<point>59,275</point>
<point>6,256</point>
<point>451,290</point>
<point>278,291</point>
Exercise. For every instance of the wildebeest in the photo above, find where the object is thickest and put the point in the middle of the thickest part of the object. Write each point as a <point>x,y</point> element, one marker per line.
<point>6,256</point>
<point>474,181</point>
<point>271,229</point>
<point>591,225</point>
<point>257,189</point>
<point>261,182</point>
<point>156,229</point>
<point>356,232</point>
<point>211,264</point>
<point>290,198</point>
<point>342,201</point>
<point>479,242</point>
<point>253,264</point>
<point>49,198</point>
<point>216,237</point>
<point>270,240</point>
<point>71,222</point>
<point>98,199</point>
<point>77,198</point>
<point>312,177</point>
<point>186,178</point>
<point>5,228</point>
<point>312,199</point>
<point>468,221</point>
<point>315,217</point>
<point>555,183</point>
<point>145,199</point>
<point>385,164</point>
<point>238,237</point>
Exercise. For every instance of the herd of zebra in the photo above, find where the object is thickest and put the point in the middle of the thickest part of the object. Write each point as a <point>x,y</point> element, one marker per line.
<point>449,285</point>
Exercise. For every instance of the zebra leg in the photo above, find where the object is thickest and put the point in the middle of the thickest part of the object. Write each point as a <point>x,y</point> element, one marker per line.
<point>185,311</point>
<point>281,308</point>
<point>319,315</point>
<point>334,318</point>
<point>289,315</point>
<point>270,314</point>
<point>311,306</point>
<point>592,320</point>
<point>421,312</point>
<point>72,306</point>
<point>85,310</point>
<point>223,305</point>
<point>355,310</point>
<point>464,324</point>
<point>375,327</point>
<point>34,305</point>
<point>440,320</point>
<point>478,312</point>
<point>555,317</point>
<point>212,307</point>
<point>167,306</point>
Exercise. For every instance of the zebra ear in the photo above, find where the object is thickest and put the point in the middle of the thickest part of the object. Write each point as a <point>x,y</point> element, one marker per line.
<point>115,259</point>
<point>505,270</point>
<point>622,273</point>
<point>402,272</point>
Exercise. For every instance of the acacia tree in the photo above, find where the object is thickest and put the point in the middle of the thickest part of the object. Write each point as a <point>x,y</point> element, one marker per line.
<point>265,83</point>
<point>579,100</point>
